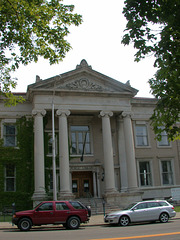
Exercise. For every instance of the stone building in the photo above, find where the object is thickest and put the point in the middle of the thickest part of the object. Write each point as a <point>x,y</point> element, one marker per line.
<point>103,139</point>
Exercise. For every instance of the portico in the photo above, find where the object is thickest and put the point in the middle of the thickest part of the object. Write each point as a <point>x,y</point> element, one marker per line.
<point>93,118</point>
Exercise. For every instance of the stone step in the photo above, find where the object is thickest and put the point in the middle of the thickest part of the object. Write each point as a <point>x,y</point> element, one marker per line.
<point>98,206</point>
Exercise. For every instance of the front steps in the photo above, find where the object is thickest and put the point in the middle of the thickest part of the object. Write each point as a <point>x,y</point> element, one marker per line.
<point>98,205</point>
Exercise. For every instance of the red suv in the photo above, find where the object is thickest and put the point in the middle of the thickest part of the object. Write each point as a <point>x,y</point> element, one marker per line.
<point>68,213</point>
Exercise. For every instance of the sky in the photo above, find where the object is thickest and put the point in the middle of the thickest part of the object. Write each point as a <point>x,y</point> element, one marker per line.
<point>98,41</point>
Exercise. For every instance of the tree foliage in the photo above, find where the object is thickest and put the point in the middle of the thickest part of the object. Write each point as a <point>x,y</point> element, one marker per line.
<point>30,29</point>
<point>154,28</point>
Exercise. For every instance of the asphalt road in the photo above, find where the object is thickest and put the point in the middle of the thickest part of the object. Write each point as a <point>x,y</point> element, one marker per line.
<point>146,231</point>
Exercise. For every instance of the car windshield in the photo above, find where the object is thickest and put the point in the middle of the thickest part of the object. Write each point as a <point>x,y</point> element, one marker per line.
<point>37,205</point>
<point>130,206</point>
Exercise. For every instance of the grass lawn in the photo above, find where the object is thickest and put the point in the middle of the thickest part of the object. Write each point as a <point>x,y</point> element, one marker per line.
<point>5,218</point>
<point>177,208</point>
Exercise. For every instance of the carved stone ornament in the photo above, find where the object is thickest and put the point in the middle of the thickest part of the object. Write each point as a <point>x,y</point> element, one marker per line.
<point>106,114</point>
<point>127,114</point>
<point>84,84</point>
<point>38,112</point>
<point>63,112</point>
<point>83,64</point>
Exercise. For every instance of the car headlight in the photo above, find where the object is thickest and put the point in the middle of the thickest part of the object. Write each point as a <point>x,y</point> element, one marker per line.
<point>112,216</point>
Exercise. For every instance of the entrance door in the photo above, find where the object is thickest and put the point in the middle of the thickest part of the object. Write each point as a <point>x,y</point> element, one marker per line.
<point>82,184</point>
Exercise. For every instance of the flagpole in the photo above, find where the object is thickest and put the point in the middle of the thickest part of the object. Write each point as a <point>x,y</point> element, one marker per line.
<point>54,156</point>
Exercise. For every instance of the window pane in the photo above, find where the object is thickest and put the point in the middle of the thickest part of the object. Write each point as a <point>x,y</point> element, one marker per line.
<point>167,174</point>
<point>9,135</point>
<point>9,170</point>
<point>141,135</point>
<point>87,148</point>
<point>74,148</point>
<point>61,206</point>
<point>9,178</point>
<point>80,140</point>
<point>145,173</point>
<point>73,137</point>
<point>46,207</point>
<point>164,139</point>
<point>10,185</point>
<point>80,137</point>
<point>80,147</point>
<point>9,130</point>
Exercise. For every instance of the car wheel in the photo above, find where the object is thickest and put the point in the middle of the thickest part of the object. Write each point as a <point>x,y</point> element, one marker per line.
<point>164,217</point>
<point>124,221</point>
<point>73,223</point>
<point>25,224</point>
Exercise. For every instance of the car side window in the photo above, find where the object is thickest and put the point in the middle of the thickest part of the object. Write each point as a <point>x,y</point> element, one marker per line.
<point>76,205</point>
<point>140,206</point>
<point>163,204</point>
<point>61,206</point>
<point>45,207</point>
<point>153,204</point>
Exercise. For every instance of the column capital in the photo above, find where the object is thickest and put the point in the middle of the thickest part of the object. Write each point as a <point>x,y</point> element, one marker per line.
<point>126,114</point>
<point>106,114</point>
<point>63,112</point>
<point>39,112</point>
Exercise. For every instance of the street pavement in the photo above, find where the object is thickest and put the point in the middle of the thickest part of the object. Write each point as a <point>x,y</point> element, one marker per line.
<point>95,220</point>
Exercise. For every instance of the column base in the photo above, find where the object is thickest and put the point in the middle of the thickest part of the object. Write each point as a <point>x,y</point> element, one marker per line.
<point>38,197</point>
<point>111,195</point>
<point>122,199</point>
<point>66,196</point>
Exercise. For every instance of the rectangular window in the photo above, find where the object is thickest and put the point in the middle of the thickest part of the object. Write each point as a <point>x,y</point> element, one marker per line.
<point>10,178</point>
<point>9,135</point>
<point>50,144</point>
<point>166,172</point>
<point>164,139</point>
<point>145,173</point>
<point>80,140</point>
<point>141,135</point>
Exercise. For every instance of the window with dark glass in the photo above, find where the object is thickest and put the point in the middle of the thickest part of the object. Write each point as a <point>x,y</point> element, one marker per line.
<point>10,178</point>
<point>9,135</point>
<point>145,173</point>
<point>45,207</point>
<point>80,140</point>
<point>167,173</point>
<point>141,135</point>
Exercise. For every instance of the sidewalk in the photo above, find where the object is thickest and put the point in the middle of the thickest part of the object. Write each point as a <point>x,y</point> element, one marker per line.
<point>94,220</point>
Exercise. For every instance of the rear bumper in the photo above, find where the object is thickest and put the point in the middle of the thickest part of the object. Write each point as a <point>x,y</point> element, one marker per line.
<point>172,214</point>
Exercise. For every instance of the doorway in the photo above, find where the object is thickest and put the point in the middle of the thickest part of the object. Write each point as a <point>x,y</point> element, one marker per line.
<point>82,184</point>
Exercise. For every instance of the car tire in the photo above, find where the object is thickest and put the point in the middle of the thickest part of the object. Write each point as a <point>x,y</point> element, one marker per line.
<point>124,221</point>
<point>73,223</point>
<point>164,217</point>
<point>25,224</point>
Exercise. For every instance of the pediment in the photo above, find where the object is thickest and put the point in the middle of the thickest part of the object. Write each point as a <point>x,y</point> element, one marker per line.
<point>82,79</point>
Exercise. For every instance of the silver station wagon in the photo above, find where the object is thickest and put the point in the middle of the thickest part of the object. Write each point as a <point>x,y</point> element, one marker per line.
<point>145,211</point>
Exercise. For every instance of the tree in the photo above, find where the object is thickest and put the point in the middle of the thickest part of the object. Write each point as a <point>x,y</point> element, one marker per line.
<point>154,28</point>
<point>30,29</point>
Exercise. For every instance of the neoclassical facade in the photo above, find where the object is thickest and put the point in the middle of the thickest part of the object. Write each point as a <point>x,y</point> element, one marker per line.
<point>104,142</point>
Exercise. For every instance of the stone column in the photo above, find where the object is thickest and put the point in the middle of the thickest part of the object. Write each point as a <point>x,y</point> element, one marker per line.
<point>65,186</point>
<point>108,152</point>
<point>130,152</point>
<point>39,175</point>
<point>122,155</point>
